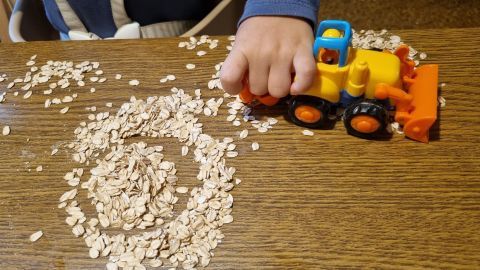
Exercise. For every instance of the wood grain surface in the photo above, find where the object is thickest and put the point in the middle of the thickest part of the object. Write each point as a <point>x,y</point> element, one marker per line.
<point>330,201</point>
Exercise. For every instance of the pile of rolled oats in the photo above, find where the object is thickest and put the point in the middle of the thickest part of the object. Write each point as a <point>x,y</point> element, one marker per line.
<point>133,186</point>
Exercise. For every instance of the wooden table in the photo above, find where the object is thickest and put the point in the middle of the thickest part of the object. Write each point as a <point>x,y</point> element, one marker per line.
<point>321,202</point>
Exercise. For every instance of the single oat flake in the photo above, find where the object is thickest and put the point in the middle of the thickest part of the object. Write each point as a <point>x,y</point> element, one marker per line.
<point>307,132</point>
<point>255,146</point>
<point>35,236</point>
<point>134,82</point>
<point>6,130</point>
<point>64,110</point>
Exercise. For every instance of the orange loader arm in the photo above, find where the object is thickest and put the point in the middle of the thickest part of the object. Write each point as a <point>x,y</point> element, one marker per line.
<point>247,97</point>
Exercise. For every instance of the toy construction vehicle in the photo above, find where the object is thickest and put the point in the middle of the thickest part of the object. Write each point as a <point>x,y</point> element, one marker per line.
<point>372,86</point>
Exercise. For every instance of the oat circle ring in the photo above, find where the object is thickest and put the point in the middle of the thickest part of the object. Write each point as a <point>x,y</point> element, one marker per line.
<point>134,187</point>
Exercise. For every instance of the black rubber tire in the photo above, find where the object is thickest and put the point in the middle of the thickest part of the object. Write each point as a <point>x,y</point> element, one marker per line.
<point>370,108</point>
<point>320,104</point>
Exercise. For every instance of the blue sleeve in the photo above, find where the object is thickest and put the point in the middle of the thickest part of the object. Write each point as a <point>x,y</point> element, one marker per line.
<point>55,16</point>
<point>306,9</point>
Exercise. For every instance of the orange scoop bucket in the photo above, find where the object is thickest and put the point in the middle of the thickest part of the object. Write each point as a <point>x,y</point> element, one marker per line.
<point>415,109</point>
<point>423,86</point>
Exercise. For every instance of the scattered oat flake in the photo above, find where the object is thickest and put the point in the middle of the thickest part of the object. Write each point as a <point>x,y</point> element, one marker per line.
<point>10,85</point>
<point>171,77</point>
<point>92,90</point>
<point>6,130</point>
<point>109,104</point>
<point>35,236</point>
<point>93,253</point>
<point>27,95</point>
<point>64,110</point>
<point>190,66</point>
<point>48,102</point>
<point>307,132</point>
<point>201,53</point>
<point>39,168</point>
<point>262,129</point>
<point>227,219</point>
<point>67,99</point>
<point>134,82</point>
<point>198,92</point>
<point>231,117</point>
<point>54,151</point>
<point>118,76</point>
<point>232,154</point>
<point>69,195</point>
<point>243,134</point>
<point>255,146</point>
<point>181,190</point>
<point>442,101</point>
<point>184,150</point>
<point>114,266</point>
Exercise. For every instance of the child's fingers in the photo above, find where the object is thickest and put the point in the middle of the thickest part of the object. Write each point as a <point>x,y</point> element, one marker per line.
<point>279,79</point>
<point>305,70</point>
<point>258,78</point>
<point>232,72</point>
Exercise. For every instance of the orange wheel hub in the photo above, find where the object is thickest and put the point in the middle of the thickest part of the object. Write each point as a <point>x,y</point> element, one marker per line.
<point>308,114</point>
<point>365,124</point>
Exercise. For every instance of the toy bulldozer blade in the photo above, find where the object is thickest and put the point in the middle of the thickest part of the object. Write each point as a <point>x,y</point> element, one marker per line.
<point>423,86</point>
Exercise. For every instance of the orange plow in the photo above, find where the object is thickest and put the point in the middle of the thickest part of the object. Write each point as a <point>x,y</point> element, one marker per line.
<point>419,114</point>
<point>416,108</point>
<point>423,86</point>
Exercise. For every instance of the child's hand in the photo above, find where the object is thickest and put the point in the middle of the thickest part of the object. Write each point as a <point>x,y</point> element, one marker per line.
<point>270,49</point>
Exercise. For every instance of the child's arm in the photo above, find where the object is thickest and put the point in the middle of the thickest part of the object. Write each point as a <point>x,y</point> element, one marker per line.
<point>271,47</point>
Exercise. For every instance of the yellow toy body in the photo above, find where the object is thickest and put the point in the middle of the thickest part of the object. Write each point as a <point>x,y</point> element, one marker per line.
<point>363,71</point>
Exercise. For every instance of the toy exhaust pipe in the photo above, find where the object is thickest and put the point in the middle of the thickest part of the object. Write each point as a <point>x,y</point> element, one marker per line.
<point>423,86</point>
